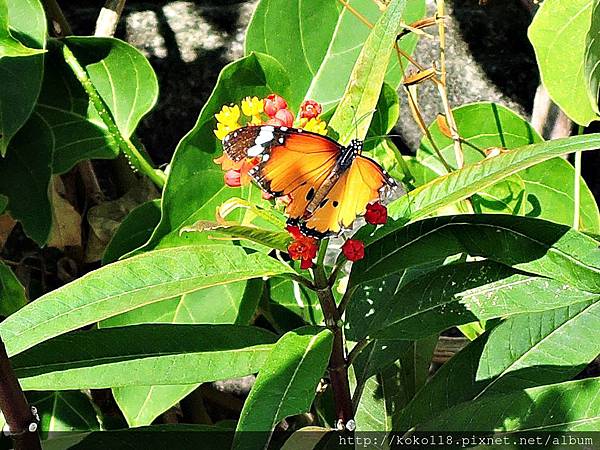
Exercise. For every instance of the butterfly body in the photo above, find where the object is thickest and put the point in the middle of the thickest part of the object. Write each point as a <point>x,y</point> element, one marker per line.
<point>329,184</point>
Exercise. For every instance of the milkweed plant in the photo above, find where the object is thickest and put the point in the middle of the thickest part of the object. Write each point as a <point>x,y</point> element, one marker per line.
<point>464,305</point>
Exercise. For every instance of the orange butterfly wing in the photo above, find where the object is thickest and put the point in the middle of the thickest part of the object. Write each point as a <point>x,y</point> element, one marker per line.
<point>292,162</point>
<point>358,186</point>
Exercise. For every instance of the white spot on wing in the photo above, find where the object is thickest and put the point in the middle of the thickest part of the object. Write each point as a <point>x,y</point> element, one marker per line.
<point>281,140</point>
<point>283,128</point>
<point>264,136</point>
<point>255,150</point>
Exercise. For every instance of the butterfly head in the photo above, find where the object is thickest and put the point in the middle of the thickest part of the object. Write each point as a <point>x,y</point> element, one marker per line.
<point>356,146</point>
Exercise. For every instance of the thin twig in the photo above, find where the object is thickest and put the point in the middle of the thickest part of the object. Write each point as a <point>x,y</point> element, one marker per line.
<point>107,21</point>
<point>60,26</point>
<point>441,85</point>
<point>359,347</point>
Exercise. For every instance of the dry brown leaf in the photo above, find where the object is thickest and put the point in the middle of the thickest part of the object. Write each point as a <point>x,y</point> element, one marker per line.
<point>105,218</point>
<point>66,221</point>
<point>7,224</point>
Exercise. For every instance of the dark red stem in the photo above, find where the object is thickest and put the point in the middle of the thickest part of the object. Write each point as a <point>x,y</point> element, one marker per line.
<point>338,367</point>
<point>13,404</point>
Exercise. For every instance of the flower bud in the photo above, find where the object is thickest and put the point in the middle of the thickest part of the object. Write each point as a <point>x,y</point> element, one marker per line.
<point>376,214</point>
<point>286,117</point>
<point>309,109</point>
<point>353,249</point>
<point>233,178</point>
<point>272,104</point>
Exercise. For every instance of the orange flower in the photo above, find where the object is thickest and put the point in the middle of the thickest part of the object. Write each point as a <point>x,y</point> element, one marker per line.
<point>236,173</point>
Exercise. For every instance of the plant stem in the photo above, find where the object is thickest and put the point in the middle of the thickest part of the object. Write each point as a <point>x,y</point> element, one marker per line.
<point>577,185</point>
<point>136,160</point>
<point>14,406</point>
<point>338,367</point>
<point>106,24</point>
<point>441,85</point>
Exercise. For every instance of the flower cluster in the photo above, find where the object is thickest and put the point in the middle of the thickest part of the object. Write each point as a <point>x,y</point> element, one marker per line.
<point>271,110</point>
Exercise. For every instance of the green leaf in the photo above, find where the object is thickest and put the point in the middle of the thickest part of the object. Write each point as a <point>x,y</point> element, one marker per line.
<point>195,187</point>
<point>285,385</point>
<point>523,351</point>
<point>278,240</point>
<point>545,190</point>
<point>558,34</point>
<point>135,229</point>
<point>531,245</point>
<point>592,57</point>
<point>63,411</point>
<point>122,76</point>
<point>318,41</point>
<point>25,177</point>
<point>9,45</point>
<point>237,302</point>
<point>21,78</point>
<point>141,405</point>
<point>474,178</point>
<point>463,293</point>
<point>366,80</point>
<point>77,130</point>
<point>12,293</point>
<point>385,394</point>
<point>570,406</point>
<point>155,354</point>
<point>128,284</point>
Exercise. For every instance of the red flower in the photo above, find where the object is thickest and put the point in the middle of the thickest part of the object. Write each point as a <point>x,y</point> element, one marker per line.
<point>376,214</point>
<point>273,103</point>
<point>286,117</point>
<point>353,249</point>
<point>303,248</point>
<point>310,109</point>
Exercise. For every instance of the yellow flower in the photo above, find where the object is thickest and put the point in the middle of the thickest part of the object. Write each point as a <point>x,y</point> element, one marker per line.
<point>316,126</point>
<point>229,116</point>
<point>252,106</point>
<point>223,130</point>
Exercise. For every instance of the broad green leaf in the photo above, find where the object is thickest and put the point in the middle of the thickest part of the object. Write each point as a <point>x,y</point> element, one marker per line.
<point>592,57</point>
<point>77,130</point>
<point>570,406</point>
<point>464,293</point>
<point>558,34</point>
<point>129,284</point>
<point>531,245</point>
<point>285,385</point>
<point>122,76</point>
<point>278,240</point>
<point>366,79</point>
<point>141,405</point>
<point>25,176</point>
<point>523,351</point>
<point>9,45</point>
<point>474,178</point>
<point>318,41</point>
<point>21,78</point>
<point>195,187</point>
<point>63,411</point>
<point>156,437</point>
<point>153,353</point>
<point>135,229</point>
<point>12,292</point>
<point>545,190</point>
<point>227,304</point>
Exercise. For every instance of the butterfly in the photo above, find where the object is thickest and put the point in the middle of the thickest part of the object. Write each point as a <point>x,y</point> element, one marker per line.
<point>329,184</point>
